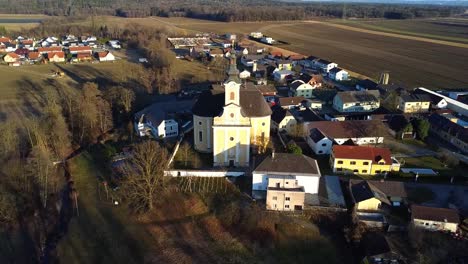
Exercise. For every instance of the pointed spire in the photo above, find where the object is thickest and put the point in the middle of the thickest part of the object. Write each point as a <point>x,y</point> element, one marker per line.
<point>233,72</point>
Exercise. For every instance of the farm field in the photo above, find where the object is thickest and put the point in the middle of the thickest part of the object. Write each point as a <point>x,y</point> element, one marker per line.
<point>415,63</point>
<point>444,29</point>
<point>17,22</point>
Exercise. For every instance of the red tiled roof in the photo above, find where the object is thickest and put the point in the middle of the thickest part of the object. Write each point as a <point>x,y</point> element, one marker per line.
<point>59,54</point>
<point>362,153</point>
<point>49,49</point>
<point>21,51</point>
<point>102,54</point>
<point>349,128</point>
<point>27,41</point>
<point>285,101</point>
<point>83,55</point>
<point>5,39</point>
<point>276,53</point>
<point>34,55</point>
<point>296,57</point>
<point>80,48</point>
<point>13,55</point>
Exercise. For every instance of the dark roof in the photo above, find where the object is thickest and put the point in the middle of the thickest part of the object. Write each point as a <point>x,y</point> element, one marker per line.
<point>387,88</point>
<point>316,135</point>
<point>307,115</point>
<point>349,129</point>
<point>288,163</point>
<point>358,96</point>
<point>297,189</point>
<point>295,84</point>
<point>435,99</point>
<point>389,188</point>
<point>434,214</point>
<point>284,62</point>
<point>363,191</point>
<point>367,84</point>
<point>335,70</point>
<point>253,57</point>
<point>439,122</point>
<point>286,101</point>
<point>211,103</point>
<point>322,61</point>
<point>267,89</point>
<point>158,112</point>
<point>416,98</point>
<point>279,114</point>
<point>397,122</point>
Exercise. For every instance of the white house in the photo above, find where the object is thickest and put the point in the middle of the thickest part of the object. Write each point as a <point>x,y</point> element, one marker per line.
<point>283,120</point>
<point>281,75</point>
<point>434,219</point>
<point>324,65</point>
<point>267,40</point>
<point>289,167</point>
<point>105,56</point>
<point>115,44</point>
<point>359,132</point>
<point>244,74</point>
<point>301,88</point>
<point>158,120</point>
<point>318,142</point>
<point>338,74</point>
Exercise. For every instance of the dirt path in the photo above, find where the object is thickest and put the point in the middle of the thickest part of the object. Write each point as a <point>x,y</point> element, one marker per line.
<point>434,41</point>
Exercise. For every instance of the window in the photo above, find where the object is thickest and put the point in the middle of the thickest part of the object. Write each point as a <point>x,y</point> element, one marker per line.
<point>232,115</point>
<point>274,198</point>
<point>365,163</point>
<point>352,162</point>
<point>324,144</point>
<point>339,169</point>
<point>320,152</point>
<point>340,162</point>
<point>231,96</point>
<point>377,171</point>
<point>263,124</point>
<point>200,136</point>
<point>364,171</point>
<point>287,198</point>
<point>287,182</point>
<point>199,123</point>
<point>286,206</point>
<point>231,138</point>
<point>355,171</point>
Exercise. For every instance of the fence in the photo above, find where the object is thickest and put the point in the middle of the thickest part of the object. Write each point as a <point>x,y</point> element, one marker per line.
<point>203,173</point>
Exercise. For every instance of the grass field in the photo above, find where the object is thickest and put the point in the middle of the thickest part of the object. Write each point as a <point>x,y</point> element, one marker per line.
<point>18,22</point>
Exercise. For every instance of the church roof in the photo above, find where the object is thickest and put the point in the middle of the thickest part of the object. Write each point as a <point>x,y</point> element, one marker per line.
<point>210,103</point>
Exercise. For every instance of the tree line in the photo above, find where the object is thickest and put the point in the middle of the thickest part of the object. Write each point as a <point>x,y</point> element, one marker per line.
<point>240,10</point>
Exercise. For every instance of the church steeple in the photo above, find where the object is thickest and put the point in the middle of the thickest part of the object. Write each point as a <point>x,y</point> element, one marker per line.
<point>233,72</point>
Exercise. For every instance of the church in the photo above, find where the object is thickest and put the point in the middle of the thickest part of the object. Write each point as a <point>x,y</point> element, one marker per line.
<point>229,120</point>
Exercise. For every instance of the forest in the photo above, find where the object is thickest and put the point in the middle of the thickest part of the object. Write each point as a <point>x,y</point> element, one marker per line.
<point>228,11</point>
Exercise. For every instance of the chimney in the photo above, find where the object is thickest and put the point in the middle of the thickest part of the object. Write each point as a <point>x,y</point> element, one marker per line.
<point>254,67</point>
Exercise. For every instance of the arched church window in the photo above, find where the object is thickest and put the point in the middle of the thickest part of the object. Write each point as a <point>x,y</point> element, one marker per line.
<point>232,115</point>
<point>231,138</point>
<point>231,96</point>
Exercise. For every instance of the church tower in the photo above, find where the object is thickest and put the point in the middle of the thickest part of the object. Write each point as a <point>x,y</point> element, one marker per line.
<point>231,130</point>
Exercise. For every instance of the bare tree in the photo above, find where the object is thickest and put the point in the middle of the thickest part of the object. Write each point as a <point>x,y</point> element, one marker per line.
<point>144,174</point>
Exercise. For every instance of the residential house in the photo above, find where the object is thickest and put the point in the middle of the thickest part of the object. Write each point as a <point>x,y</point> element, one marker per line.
<point>296,57</point>
<point>452,104</point>
<point>115,44</point>
<point>362,160</point>
<point>11,57</point>
<point>291,102</point>
<point>181,53</point>
<point>394,191</point>
<point>105,56</point>
<point>267,40</point>
<point>244,74</point>
<point>248,60</point>
<point>284,64</point>
<point>283,120</point>
<point>451,128</point>
<point>27,44</point>
<point>359,132</point>
<point>216,53</point>
<point>338,74</point>
<point>284,194</point>
<point>378,250</point>
<point>85,56</point>
<point>366,197</point>
<point>80,50</point>
<point>56,56</point>
<point>22,52</point>
<point>318,142</point>
<point>324,65</point>
<point>46,50</point>
<point>293,170</point>
<point>414,103</point>
<point>356,101</point>
<point>434,219</point>
<point>391,88</point>
<point>159,119</point>
<point>365,85</point>
<point>34,56</point>
<point>267,91</point>
<point>275,54</point>
<point>305,85</point>
<point>282,75</point>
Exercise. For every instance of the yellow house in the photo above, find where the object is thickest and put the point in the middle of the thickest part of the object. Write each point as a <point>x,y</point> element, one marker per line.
<point>362,160</point>
<point>367,197</point>
<point>11,57</point>
<point>415,103</point>
<point>229,120</point>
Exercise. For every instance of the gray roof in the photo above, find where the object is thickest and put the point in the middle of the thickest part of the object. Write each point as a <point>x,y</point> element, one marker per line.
<point>358,96</point>
<point>158,112</point>
<point>434,214</point>
<point>416,98</point>
<point>364,190</point>
<point>211,103</point>
<point>335,70</point>
<point>389,188</point>
<point>288,163</point>
<point>316,135</point>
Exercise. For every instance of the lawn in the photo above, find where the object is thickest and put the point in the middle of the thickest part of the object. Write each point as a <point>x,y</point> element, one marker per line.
<point>445,173</point>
